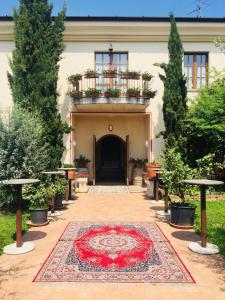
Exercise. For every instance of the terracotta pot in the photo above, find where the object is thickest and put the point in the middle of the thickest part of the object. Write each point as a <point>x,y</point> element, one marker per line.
<point>113,75</point>
<point>150,169</point>
<point>71,174</point>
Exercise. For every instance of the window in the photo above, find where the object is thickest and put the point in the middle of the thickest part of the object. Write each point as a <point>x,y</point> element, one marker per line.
<point>111,61</point>
<point>195,68</point>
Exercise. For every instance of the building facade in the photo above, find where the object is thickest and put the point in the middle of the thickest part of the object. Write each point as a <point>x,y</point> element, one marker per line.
<point>109,131</point>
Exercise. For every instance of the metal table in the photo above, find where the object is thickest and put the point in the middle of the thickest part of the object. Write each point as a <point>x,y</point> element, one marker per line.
<point>53,174</point>
<point>19,247</point>
<point>202,246</point>
<point>66,170</point>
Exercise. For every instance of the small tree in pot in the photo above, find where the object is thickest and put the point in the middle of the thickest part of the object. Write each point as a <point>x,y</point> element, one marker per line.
<point>174,172</point>
<point>59,188</point>
<point>38,198</point>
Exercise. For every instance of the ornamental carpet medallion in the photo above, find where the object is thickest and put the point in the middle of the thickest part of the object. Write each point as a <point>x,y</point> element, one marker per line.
<point>113,252</point>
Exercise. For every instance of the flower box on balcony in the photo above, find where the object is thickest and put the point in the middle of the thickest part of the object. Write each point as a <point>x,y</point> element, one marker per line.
<point>76,94</point>
<point>133,93</point>
<point>130,75</point>
<point>148,94</point>
<point>114,93</point>
<point>92,93</point>
<point>91,74</point>
<point>74,79</point>
<point>109,74</point>
<point>147,76</point>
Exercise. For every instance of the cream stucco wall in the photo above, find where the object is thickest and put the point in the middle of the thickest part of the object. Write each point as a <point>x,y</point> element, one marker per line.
<point>123,125</point>
<point>144,51</point>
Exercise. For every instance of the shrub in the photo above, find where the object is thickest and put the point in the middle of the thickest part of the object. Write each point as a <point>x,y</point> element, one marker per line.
<point>92,93</point>
<point>112,93</point>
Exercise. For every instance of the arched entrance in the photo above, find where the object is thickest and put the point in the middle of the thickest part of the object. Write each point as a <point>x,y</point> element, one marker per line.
<point>110,159</point>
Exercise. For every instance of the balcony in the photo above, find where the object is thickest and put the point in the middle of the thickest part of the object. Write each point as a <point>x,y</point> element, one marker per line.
<point>110,91</point>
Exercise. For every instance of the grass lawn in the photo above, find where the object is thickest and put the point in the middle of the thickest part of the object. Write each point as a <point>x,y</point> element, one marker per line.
<point>215,212</point>
<point>8,228</point>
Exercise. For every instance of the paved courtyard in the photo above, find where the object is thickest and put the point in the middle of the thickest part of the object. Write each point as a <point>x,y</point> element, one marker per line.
<point>17,272</point>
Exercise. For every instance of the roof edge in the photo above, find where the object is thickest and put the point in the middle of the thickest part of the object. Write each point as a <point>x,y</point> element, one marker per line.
<point>133,19</point>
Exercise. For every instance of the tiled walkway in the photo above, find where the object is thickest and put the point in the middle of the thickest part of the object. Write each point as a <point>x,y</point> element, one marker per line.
<point>17,272</point>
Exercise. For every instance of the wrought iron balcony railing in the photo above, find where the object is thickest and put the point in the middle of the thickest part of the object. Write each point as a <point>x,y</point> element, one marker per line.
<point>110,88</point>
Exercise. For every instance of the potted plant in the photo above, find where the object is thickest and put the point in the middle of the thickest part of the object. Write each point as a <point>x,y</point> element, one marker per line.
<point>76,95</point>
<point>71,173</point>
<point>130,75</point>
<point>74,78</point>
<point>174,172</point>
<point>92,93</point>
<point>138,162</point>
<point>133,93</point>
<point>38,198</point>
<point>151,168</point>
<point>146,76</point>
<point>91,74</point>
<point>148,93</point>
<point>59,188</point>
<point>109,73</point>
<point>81,161</point>
<point>114,93</point>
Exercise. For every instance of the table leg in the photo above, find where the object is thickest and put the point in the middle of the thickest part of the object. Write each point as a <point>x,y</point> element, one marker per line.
<point>157,189</point>
<point>70,195</point>
<point>19,216</point>
<point>166,196</point>
<point>203,216</point>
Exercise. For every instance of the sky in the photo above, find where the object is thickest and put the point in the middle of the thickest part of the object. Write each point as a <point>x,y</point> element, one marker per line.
<point>181,8</point>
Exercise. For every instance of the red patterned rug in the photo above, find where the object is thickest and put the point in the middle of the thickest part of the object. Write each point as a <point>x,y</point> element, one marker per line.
<point>114,252</point>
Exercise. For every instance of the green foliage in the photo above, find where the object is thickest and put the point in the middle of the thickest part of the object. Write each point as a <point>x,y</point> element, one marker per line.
<point>207,167</point>
<point>74,78</point>
<point>68,166</point>
<point>133,93</point>
<point>92,93</point>
<point>81,160</point>
<point>35,65</point>
<point>205,126</point>
<point>91,74</point>
<point>175,91</point>
<point>112,93</point>
<point>76,94</point>
<point>138,161</point>
<point>147,76</point>
<point>148,93</point>
<point>174,171</point>
<point>8,228</point>
<point>60,187</point>
<point>130,74</point>
<point>23,153</point>
<point>37,196</point>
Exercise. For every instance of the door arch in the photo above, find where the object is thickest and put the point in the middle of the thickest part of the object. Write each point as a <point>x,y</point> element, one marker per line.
<point>110,159</point>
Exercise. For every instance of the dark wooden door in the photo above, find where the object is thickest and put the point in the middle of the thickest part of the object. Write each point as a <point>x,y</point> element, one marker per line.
<point>127,160</point>
<point>94,159</point>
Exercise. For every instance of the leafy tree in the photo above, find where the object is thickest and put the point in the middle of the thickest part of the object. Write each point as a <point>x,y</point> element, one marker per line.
<point>175,91</point>
<point>35,65</point>
<point>206,122</point>
<point>23,153</point>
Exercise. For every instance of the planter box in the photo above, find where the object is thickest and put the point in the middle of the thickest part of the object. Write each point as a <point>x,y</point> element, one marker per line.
<point>91,76</point>
<point>114,75</point>
<point>38,216</point>
<point>182,216</point>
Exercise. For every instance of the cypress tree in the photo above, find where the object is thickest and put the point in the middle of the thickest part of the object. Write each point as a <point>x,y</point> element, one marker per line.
<point>175,91</point>
<point>35,65</point>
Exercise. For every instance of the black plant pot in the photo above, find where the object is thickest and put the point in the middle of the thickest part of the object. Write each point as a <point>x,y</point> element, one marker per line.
<point>38,216</point>
<point>182,215</point>
<point>58,201</point>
